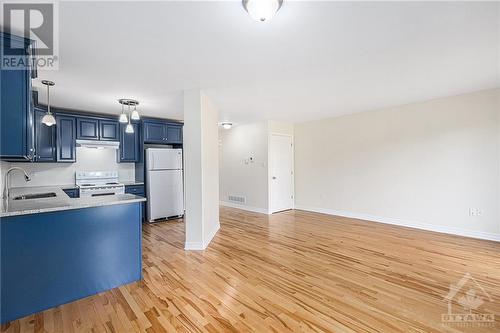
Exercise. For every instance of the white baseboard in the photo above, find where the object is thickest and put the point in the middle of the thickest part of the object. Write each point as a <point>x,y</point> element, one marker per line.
<point>199,246</point>
<point>211,235</point>
<point>403,223</point>
<point>244,207</point>
<point>194,246</point>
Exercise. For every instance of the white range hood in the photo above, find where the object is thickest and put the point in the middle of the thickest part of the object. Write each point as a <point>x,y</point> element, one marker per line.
<point>98,144</point>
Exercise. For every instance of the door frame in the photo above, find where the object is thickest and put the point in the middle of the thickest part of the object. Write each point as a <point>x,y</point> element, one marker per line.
<point>271,209</point>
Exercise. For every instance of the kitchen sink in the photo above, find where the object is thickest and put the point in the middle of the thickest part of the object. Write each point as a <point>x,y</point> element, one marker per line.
<point>35,196</point>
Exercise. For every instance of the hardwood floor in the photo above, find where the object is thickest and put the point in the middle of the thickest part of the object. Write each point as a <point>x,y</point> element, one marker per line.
<point>292,271</point>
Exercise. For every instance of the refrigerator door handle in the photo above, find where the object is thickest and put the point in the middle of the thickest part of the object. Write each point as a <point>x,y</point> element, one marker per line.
<point>152,161</point>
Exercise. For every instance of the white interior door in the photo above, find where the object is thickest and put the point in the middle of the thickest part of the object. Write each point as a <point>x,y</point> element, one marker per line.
<point>281,172</point>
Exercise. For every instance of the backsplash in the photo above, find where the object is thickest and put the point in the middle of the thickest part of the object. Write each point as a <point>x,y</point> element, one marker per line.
<point>88,159</point>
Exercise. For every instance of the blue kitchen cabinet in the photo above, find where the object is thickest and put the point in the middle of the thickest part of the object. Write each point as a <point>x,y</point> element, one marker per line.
<point>53,258</point>
<point>65,138</point>
<point>108,130</point>
<point>138,190</point>
<point>72,192</point>
<point>45,139</point>
<point>174,133</point>
<point>129,144</point>
<point>163,132</point>
<point>135,189</point>
<point>155,131</point>
<point>87,128</point>
<point>16,109</point>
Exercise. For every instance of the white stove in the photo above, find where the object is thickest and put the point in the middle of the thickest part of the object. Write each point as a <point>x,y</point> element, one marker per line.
<point>98,183</point>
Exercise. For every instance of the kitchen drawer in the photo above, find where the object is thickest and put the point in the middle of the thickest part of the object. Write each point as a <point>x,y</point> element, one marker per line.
<point>135,189</point>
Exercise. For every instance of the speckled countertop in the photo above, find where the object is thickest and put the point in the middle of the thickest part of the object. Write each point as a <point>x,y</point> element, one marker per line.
<point>60,202</point>
<point>130,182</point>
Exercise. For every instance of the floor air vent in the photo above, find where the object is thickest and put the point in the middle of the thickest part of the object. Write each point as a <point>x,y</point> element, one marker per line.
<point>237,199</point>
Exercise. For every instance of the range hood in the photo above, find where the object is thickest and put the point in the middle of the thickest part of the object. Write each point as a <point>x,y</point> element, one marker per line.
<point>98,144</point>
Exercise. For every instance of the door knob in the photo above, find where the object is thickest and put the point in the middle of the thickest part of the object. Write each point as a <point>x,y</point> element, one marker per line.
<point>274,177</point>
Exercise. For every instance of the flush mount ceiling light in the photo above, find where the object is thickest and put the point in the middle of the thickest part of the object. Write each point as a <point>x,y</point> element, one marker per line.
<point>48,119</point>
<point>262,10</point>
<point>226,125</point>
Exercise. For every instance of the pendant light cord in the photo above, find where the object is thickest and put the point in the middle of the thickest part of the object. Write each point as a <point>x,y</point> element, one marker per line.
<point>48,99</point>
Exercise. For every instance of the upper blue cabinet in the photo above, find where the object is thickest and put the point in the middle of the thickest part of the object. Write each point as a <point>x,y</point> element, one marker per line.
<point>174,133</point>
<point>66,138</point>
<point>130,146</point>
<point>108,130</point>
<point>154,131</point>
<point>16,109</point>
<point>162,132</point>
<point>88,128</point>
<point>45,139</point>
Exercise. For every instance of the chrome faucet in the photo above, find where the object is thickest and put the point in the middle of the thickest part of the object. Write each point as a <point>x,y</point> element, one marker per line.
<point>6,183</point>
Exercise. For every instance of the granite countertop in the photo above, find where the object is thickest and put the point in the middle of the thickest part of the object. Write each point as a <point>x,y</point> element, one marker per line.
<point>131,182</point>
<point>60,202</point>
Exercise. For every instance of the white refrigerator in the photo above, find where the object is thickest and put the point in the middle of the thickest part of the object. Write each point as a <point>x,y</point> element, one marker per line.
<point>164,183</point>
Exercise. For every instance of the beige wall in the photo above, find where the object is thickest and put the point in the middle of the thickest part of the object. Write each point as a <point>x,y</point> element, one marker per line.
<point>422,164</point>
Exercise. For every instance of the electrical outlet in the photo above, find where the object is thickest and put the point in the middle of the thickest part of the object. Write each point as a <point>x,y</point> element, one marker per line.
<point>475,212</point>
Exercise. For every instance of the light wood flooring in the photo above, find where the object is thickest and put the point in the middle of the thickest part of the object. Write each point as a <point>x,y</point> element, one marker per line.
<point>290,272</point>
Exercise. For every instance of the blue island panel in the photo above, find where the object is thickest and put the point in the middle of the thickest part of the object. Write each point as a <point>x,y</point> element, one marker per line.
<point>54,258</point>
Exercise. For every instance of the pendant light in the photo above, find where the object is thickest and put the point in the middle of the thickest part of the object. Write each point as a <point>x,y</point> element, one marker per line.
<point>262,10</point>
<point>135,114</point>
<point>48,119</point>
<point>129,129</point>
<point>123,117</point>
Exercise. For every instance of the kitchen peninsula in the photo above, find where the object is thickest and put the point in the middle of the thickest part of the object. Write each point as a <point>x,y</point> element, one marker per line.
<point>56,249</point>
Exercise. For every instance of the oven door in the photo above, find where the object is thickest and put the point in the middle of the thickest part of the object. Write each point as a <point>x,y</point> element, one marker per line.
<point>99,192</point>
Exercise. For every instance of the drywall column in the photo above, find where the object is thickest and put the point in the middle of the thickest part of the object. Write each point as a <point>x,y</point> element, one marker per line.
<point>201,169</point>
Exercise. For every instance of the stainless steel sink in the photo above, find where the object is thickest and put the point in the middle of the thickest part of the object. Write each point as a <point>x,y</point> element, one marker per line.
<point>35,196</point>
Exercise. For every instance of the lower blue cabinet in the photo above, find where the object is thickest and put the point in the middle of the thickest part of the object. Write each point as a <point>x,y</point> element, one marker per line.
<point>138,190</point>
<point>72,192</point>
<point>65,138</point>
<point>45,139</point>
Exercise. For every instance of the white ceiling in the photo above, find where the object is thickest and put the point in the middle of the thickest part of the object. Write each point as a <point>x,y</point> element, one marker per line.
<point>313,60</point>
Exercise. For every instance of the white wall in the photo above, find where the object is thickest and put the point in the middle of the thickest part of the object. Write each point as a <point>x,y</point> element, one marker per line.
<point>239,175</point>
<point>201,170</point>
<point>244,163</point>
<point>422,164</point>
<point>88,159</point>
